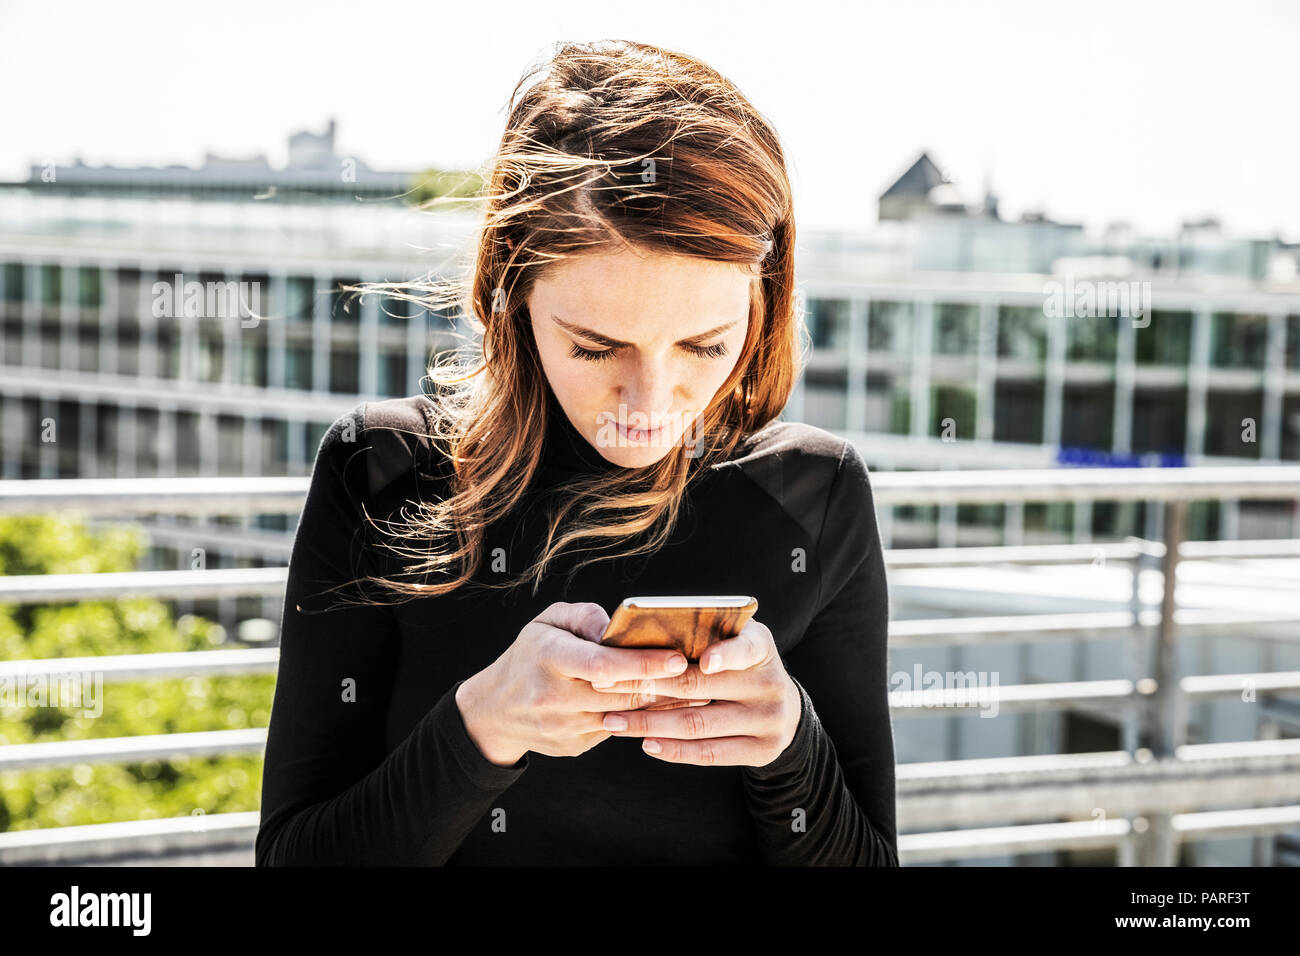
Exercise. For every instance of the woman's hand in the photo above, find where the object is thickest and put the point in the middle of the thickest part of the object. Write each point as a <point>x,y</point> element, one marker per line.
<point>753,718</point>
<point>538,694</point>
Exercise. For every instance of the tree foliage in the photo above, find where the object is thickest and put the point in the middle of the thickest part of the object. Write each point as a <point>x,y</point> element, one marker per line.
<point>101,793</point>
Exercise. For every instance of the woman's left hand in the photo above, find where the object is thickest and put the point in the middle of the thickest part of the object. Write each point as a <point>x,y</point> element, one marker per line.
<point>754,711</point>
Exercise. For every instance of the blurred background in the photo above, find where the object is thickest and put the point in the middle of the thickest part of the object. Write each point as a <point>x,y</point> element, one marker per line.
<point>1049,262</point>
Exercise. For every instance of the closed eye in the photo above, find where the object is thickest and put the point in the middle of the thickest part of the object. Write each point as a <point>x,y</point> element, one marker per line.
<point>702,351</point>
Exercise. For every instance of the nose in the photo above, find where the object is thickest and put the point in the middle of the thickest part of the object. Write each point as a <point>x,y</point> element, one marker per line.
<point>648,396</point>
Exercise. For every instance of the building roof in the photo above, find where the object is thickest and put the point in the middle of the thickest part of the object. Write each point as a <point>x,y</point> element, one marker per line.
<point>921,177</point>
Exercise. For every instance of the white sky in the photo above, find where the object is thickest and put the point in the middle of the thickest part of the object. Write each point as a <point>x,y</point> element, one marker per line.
<point>1149,112</point>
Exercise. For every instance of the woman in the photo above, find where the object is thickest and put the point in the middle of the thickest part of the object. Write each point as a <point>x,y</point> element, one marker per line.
<point>634,277</point>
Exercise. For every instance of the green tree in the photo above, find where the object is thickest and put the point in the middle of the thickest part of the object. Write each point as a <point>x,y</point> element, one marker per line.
<point>101,793</point>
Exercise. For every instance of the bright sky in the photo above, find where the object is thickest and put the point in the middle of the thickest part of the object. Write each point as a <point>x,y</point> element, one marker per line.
<point>1150,112</point>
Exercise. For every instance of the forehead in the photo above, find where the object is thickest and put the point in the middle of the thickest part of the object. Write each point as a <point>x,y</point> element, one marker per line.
<point>623,292</point>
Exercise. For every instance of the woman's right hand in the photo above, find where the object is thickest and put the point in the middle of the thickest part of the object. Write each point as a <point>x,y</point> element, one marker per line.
<point>538,696</point>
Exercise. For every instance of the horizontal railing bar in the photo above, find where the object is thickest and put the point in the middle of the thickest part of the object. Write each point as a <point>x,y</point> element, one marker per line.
<point>969,792</point>
<point>979,842</point>
<point>154,495</point>
<point>1084,553</point>
<point>1086,484</point>
<point>1210,550</point>
<point>91,843</point>
<point>283,495</point>
<point>1102,694</point>
<point>1086,625</point>
<point>214,583</point>
<point>200,397</point>
<point>116,668</point>
<point>941,702</point>
<point>1102,760</point>
<point>1013,554</point>
<point>1254,820</point>
<point>1085,834</point>
<point>1232,685</point>
<point>62,753</point>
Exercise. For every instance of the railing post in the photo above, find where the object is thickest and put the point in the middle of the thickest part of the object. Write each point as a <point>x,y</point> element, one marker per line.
<point>1166,718</point>
<point>1137,644</point>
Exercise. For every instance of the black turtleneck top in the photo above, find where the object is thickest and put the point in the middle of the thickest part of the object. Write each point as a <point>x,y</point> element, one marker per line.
<point>368,760</point>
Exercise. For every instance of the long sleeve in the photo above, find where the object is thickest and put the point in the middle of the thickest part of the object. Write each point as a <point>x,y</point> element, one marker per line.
<point>828,799</point>
<point>330,794</point>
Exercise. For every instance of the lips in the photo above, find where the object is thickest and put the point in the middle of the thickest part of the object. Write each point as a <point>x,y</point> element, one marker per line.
<point>639,434</point>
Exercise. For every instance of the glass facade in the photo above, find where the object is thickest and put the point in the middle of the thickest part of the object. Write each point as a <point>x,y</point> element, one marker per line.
<point>934,365</point>
<point>1166,340</point>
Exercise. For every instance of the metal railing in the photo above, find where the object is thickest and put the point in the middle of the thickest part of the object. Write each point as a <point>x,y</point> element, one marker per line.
<point>1146,793</point>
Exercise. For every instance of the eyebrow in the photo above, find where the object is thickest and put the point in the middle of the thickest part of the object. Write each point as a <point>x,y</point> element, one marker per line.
<point>616,343</point>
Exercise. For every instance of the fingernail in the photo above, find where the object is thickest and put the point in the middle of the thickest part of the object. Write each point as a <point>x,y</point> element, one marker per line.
<point>677,665</point>
<point>615,722</point>
<point>602,684</point>
<point>651,746</point>
<point>711,663</point>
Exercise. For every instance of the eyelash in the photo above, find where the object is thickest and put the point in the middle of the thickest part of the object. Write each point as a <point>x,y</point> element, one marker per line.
<point>708,351</point>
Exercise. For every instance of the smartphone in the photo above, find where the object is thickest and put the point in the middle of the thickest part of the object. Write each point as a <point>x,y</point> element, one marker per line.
<point>688,623</point>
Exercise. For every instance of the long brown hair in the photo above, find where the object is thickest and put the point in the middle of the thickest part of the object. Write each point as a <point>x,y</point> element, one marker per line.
<point>616,143</point>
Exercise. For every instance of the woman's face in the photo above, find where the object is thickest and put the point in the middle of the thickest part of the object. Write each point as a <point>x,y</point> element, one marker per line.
<point>636,345</point>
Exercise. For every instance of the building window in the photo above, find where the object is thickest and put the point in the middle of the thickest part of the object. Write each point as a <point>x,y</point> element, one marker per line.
<point>1022,333</point>
<point>828,323</point>
<point>1018,412</point>
<point>1091,339</point>
<point>1291,428</point>
<point>1232,423</point>
<point>1159,420</point>
<point>211,352</point>
<point>952,412</point>
<point>300,298</point>
<point>51,285</point>
<point>1088,416</point>
<point>169,350</point>
<point>344,371</point>
<point>1238,341</point>
<point>13,282</point>
<point>297,368</point>
<point>889,328</point>
<point>956,329</point>
<point>392,373</point>
<point>1166,340</point>
<point>89,288</point>
<point>252,369</point>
